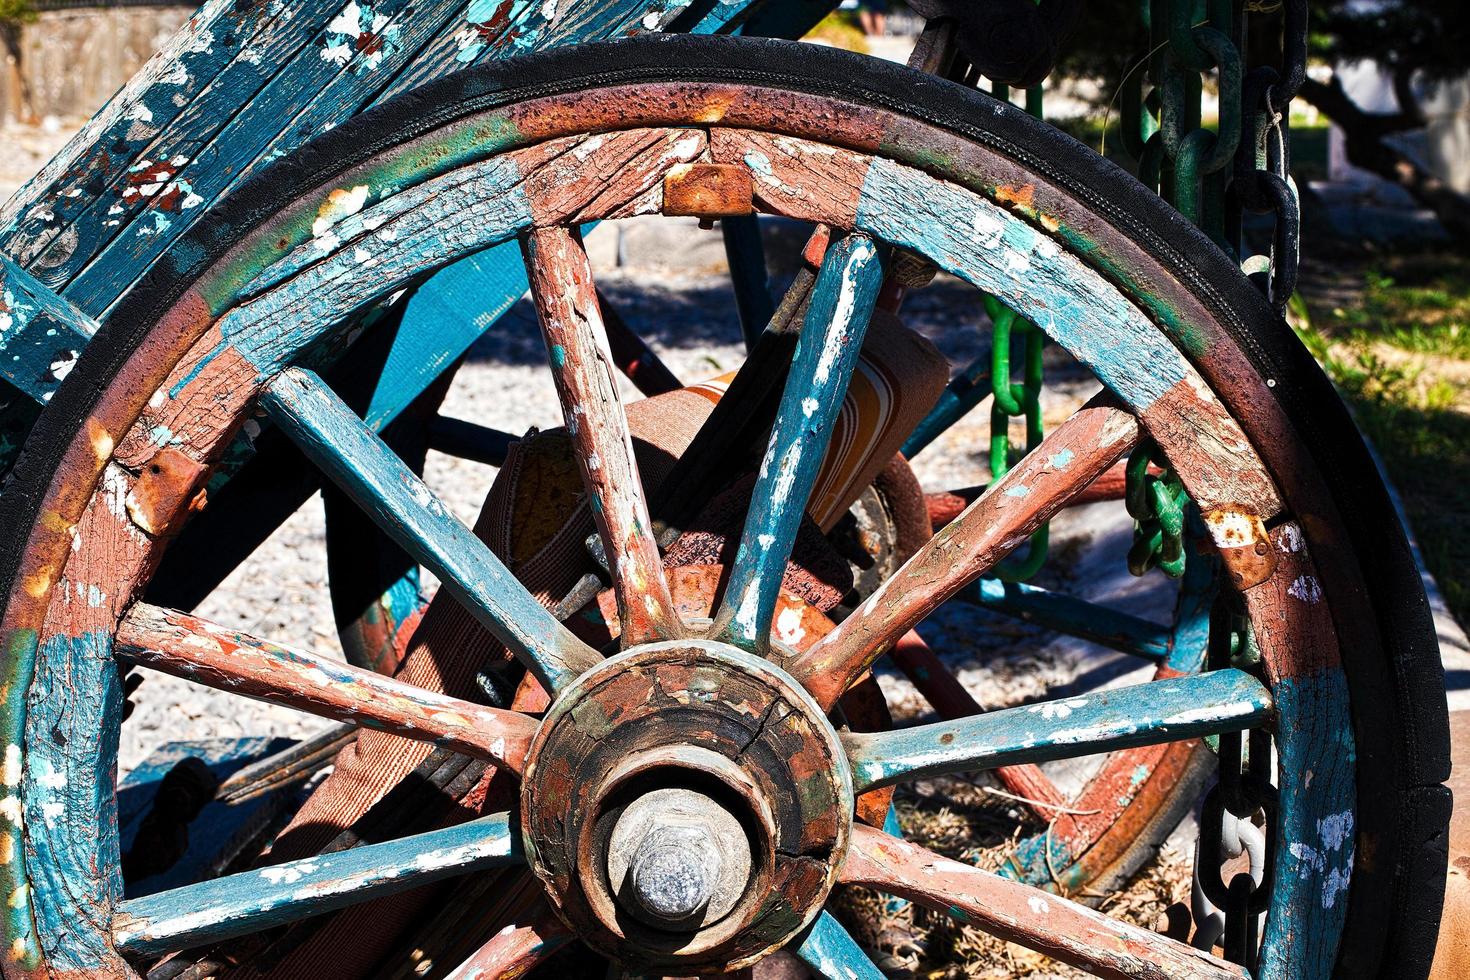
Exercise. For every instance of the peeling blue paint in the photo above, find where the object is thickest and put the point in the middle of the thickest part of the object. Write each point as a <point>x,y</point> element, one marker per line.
<point>1316,842</point>
<point>1001,254</point>
<point>74,710</point>
<point>1143,714</point>
<point>833,954</point>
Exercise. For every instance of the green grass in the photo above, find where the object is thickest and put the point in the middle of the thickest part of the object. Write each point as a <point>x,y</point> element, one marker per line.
<point>1401,357</point>
<point>840,29</point>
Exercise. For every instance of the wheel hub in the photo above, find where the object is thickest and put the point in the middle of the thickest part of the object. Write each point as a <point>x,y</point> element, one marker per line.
<point>686,806</point>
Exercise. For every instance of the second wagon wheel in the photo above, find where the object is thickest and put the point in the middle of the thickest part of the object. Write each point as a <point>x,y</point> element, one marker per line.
<point>685,802</point>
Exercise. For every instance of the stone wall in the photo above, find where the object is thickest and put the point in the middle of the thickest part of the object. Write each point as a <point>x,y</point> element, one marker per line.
<point>74,60</point>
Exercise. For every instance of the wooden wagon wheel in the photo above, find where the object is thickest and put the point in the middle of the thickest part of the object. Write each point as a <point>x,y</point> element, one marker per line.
<point>685,802</point>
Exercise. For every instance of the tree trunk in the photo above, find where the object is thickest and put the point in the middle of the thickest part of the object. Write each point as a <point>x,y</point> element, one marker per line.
<point>18,93</point>
<point>1368,147</point>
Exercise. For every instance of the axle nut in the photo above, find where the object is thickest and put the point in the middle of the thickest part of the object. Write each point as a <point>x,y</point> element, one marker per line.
<point>677,859</point>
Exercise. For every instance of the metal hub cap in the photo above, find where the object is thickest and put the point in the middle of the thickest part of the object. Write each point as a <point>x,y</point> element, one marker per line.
<point>686,806</point>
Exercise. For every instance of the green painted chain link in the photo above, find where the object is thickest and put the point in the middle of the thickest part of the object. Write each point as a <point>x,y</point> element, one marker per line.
<point>1189,166</point>
<point>1016,347</point>
<point>1157,503</point>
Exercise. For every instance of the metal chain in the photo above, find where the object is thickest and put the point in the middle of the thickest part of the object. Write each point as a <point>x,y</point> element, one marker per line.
<point>1157,503</point>
<point>1188,165</point>
<point>1016,347</point>
<point>1262,174</point>
<point>1239,812</point>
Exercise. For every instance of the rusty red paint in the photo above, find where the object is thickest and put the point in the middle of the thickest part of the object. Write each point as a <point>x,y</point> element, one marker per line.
<point>1012,508</point>
<point>581,365</point>
<point>195,649</point>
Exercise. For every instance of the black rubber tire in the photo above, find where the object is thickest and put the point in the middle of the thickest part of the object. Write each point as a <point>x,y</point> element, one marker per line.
<point>1396,679</point>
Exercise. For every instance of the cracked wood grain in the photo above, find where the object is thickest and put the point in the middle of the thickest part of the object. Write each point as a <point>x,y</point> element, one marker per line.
<point>207,653</point>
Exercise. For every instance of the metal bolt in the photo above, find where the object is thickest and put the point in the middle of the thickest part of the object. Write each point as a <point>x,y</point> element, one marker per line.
<point>674,871</point>
<point>678,859</point>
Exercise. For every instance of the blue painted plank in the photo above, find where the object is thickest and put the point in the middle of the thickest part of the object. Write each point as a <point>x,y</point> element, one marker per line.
<point>143,175</point>
<point>337,87</point>
<point>822,365</point>
<point>155,101</point>
<point>1144,714</point>
<point>242,903</point>
<point>443,319</point>
<point>356,460</point>
<point>41,334</point>
<point>1111,628</point>
<point>770,18</point>
<point>833,954</point>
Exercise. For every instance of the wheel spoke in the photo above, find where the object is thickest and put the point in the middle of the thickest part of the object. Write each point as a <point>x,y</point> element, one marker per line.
<point>1145,714</point>
<point>581,363</point>
<point>515,950</point>
<point>198,650</point>
<point>951,700</point>
<point>831,338</point>
<point>1001,519</point>
<point>1022,914</point>
<point>831,952</point>
<point>633,356</point>
<point>469,440</point>
<point>1111,628</point>
<point>356,460</point>
<point>252,900</point>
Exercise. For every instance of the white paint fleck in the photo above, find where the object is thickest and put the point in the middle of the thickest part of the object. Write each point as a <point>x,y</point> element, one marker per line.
<point>1057,709</point>
<point>1306,589</point>
<point>288,873</point>
<point>789,628</point>
<point>11,771</point>
<point>1290,540</point>
<point>1038,905</point>
<point>1335,829</point>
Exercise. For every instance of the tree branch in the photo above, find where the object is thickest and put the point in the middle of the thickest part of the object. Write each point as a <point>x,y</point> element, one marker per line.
<point>1368,148</point>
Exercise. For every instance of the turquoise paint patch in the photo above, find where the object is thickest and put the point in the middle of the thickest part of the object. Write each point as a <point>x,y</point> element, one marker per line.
<point>1061,460</point>
<point>371,253</point>
<point>74,712</point>
<point>831,952</point>
<point>1019,490</point>
<point>1001,254</point>
<point>558,355</point>
<point>1316,844</point>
